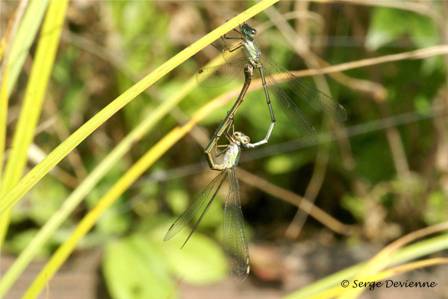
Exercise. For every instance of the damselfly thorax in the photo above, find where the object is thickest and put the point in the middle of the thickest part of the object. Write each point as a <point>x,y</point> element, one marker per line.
<point>252,52</point>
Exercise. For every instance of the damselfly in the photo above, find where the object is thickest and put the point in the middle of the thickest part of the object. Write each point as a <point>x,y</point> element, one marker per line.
<point>305,94</point>
<point>234,239</point>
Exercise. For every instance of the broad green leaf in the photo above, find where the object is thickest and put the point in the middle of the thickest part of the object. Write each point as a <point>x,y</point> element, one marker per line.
<point>201,261</point>
<point>134,268</point>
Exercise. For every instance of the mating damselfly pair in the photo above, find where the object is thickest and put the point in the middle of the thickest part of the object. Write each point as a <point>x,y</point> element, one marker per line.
<point>224,157</point>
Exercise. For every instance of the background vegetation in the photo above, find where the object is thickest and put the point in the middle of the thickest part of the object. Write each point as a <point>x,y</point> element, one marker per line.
<point>366,182</point>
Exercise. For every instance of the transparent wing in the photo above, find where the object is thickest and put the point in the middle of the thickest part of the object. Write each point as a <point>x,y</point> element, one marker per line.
<point>291,109</point>
<point>297,95</point>
<point>234,234</point>
<point>230,71</point>
<point>194,214</point>
<point>230,67</point>
<point>223,46</point>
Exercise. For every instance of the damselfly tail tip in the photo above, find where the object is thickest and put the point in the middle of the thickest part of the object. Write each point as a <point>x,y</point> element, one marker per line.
<point>240,271</point>
<point>242,276</point>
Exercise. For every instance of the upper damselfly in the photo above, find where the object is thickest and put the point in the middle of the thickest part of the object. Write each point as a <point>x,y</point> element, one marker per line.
<point>294,95</point>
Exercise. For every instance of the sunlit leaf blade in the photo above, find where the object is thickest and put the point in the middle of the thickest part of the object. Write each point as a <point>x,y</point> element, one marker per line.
<point>23,40</point>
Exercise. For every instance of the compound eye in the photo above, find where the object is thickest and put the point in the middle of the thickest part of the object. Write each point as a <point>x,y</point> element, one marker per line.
<point>253,31</point>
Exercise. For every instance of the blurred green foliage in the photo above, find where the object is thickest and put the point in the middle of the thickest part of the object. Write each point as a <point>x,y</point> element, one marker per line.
<point>136,36</point>
<point>389,25</point>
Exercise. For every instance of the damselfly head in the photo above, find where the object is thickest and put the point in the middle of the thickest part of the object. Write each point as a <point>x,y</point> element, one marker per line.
<point>240,138</point>
<point>248,31</point>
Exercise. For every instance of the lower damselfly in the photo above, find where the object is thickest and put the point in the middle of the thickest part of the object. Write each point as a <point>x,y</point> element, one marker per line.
<point>234,237</point>
<point>294,95</point>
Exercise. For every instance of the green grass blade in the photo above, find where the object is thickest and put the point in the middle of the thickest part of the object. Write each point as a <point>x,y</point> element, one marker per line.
<point>34,95</point>
<point>3,118</point>
<point>26,33</point>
